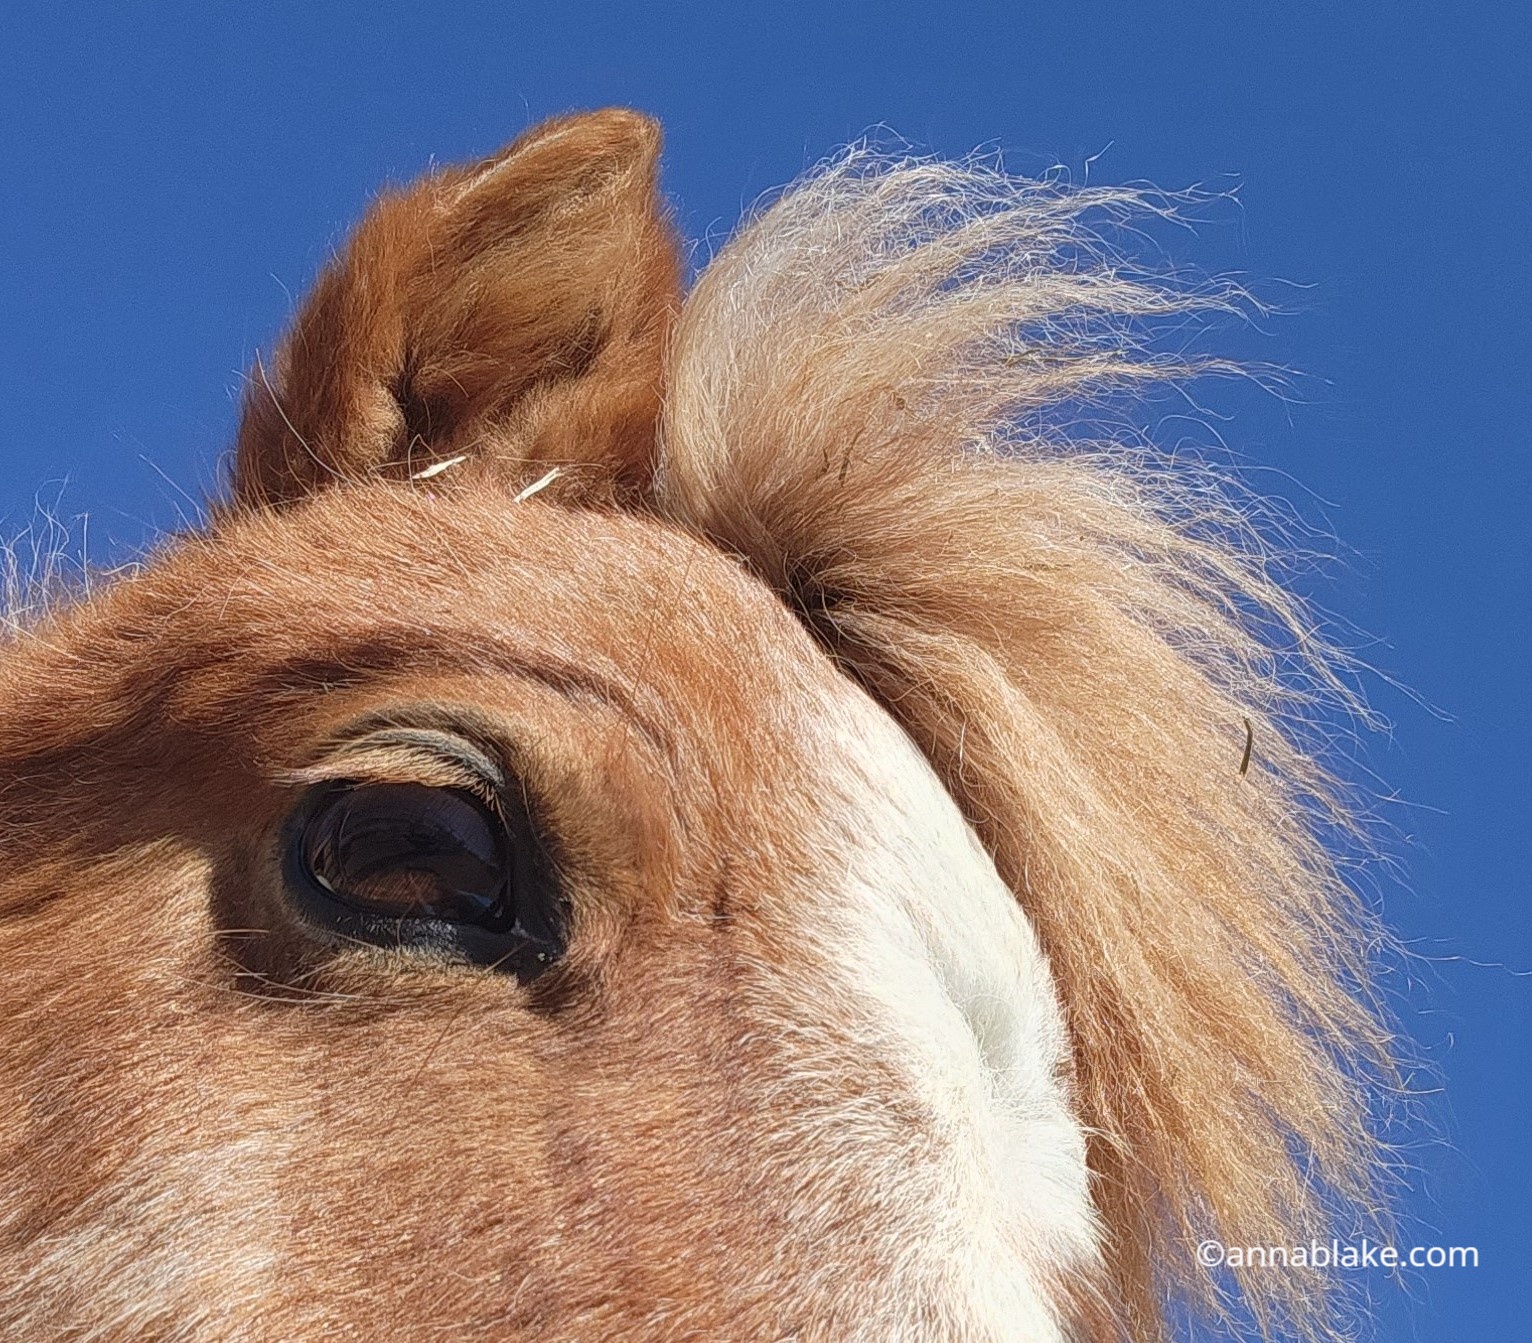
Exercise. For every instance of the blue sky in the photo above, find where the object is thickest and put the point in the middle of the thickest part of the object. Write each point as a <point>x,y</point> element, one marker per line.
<point>174,174</point>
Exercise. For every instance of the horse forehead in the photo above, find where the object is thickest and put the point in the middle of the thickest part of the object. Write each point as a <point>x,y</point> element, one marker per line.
<point>235,636</point>
<point>362,538</point>
<point>605,584</point>
<point>282,625</point>
<point>374,581</point>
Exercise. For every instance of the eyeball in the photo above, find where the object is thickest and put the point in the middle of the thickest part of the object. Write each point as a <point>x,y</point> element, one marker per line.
<point>417,867</point>
<point>408,851</point>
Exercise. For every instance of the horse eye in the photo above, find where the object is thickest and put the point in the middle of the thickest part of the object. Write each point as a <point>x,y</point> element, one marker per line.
<point>437,870</point>
<point>410,852</point>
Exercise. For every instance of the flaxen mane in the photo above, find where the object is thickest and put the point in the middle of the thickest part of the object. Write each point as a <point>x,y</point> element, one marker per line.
<point>796,1068</point>
<point>1080,639</point>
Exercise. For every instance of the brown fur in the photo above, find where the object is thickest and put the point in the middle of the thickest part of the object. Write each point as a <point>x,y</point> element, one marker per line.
<point>212,1127</point>
<point>513,307</point>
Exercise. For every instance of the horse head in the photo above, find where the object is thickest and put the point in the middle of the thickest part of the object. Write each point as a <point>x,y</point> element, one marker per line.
<point>675,816</point>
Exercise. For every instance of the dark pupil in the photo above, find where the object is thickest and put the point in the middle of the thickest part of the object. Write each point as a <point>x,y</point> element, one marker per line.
<point>408,851</point>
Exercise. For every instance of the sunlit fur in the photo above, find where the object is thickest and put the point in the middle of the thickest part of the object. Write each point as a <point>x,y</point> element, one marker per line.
<point>940,965</point>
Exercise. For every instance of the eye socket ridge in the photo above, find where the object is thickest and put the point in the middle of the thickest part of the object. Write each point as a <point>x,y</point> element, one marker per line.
<point>420,866</point>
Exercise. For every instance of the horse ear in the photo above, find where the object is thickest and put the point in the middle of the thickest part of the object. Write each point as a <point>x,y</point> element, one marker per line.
<point>515,311</point>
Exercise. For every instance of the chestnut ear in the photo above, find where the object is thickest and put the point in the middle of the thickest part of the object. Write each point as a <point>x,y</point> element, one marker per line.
<point>515,311</point>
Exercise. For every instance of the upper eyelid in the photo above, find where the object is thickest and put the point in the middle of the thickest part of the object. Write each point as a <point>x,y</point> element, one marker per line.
<point>401,754</point>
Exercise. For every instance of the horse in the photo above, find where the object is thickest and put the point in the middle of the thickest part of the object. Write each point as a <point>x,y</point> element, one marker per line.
<point>684,811</point>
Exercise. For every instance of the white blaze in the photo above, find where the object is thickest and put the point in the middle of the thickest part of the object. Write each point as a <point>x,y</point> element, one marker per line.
<point>946,980</point>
